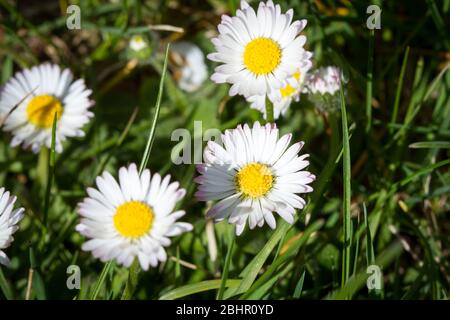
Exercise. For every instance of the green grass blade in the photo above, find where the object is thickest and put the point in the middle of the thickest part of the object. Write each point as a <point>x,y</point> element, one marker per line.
<point>151,136</point>
<point>417,174</point>
<point>133,274</point>
<point>438,21</point>
<point>101,280</point>
<point>250,273</point>
<point>356,255</point>
<point>430,145</point>
<point>285,257</point>
<point>369,79</point>
<point>370,253</point>
<point>299,287</point>
<point>399,87</point>
<point>190,289</point>
<point>357,282</point>
<point>347,227</point>
<point>36,281</point>
<point>4,285</point>
<point>227,265</point>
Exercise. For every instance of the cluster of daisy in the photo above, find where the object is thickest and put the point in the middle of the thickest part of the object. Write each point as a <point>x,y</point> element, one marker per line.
<point>253,174</point>
<point>262,56</point>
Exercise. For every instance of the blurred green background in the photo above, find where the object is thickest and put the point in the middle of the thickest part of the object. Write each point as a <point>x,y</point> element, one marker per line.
<point>404,188</point>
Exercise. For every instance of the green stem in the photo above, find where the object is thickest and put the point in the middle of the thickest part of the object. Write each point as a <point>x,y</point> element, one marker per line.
<point>347,227</point>
<point>269,111</point>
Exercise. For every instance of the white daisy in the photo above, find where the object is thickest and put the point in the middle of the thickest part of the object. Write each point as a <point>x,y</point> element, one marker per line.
<point>325,80</point>
<point>137,43</point>
<point>131,218</point>
<point>191,69</point>
<point>253,175</point>
<point>9,220</point>
<point>282,98</point>
<point>50,90</point>
<point>258,50</point>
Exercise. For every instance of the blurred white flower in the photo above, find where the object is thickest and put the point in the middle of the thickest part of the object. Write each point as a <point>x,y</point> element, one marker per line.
<point>191,70</point>
<point>50,91</point>
<point>324,80</point>
<point>253,175</point>
<point>132,218</point>
<point>258,50</point>
<point>282,98</point>
<point>9,220</point>
<point>137,43</point>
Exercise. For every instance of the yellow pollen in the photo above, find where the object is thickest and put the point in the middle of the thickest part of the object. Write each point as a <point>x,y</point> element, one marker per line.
<point>254,180</point>
<point>133,219</point>
<point>288,90</point>
<point>262,56</point>
<point>41,110</point>
<point>138,39</point>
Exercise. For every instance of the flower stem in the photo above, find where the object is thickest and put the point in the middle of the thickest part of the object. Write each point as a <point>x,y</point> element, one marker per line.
<point>269,111</point>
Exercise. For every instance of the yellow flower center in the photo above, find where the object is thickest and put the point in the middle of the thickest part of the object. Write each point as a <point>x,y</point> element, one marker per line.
<point>133,219</point>
<point>288,90</point>
<point>138,39</point>
<point>262,56</point>
<point>254,180</point>
<point>41,110</point>
<point>297,75</point>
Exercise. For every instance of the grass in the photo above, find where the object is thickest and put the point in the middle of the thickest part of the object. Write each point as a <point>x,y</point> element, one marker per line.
<point>381,156</point>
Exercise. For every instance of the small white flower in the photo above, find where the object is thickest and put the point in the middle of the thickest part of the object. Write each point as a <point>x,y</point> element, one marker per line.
<point>258,50</point>
<point>137,43</point>
<point>52,91</point>
<point>324,80</point>
<point>132,218</point>
<point>191,68</point>
<point>253,175</point>
<point>9,220</point>
<point>282,98</point>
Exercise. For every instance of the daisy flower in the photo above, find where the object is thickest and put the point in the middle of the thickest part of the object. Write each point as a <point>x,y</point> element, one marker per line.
<point>9,219</point>
<point>48,91</point>
<point>282,98</point>
<point>254,174</point>
<point>325,80</point>
<point>191,69</point>
<point>131,218</point>
<point>137,43</point>
<point>257,50</point>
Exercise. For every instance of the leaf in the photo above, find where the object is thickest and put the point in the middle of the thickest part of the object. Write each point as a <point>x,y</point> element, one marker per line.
<point>299,286</point>
<point>250,273</point>
<point>4,285</point>
<point>347,227</point>
<point>190,289</point>
<point>355,283</point>
<point>227,265</point>
<point>430,145</point>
